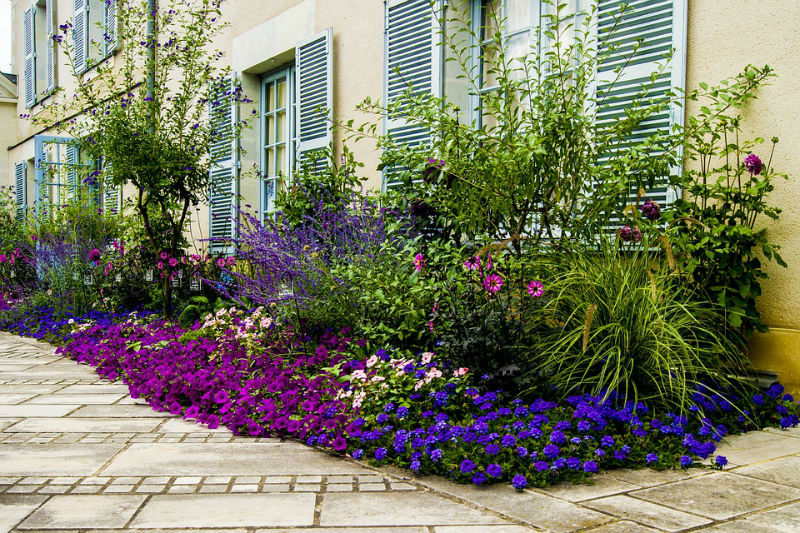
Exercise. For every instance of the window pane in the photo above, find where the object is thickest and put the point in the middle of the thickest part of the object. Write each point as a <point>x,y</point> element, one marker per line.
<point>269,162</point>
<point>281,92</point>
<point>518,15</point>
<point>280,160</point>
<point>269,104</point>
<point>281,127</point>
<point>269,129</point>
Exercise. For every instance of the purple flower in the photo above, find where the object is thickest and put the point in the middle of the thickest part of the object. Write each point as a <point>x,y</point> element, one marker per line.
<point>629,234</point>
<point>753,164</point>
<point>519,482</point>
<point>358,454</point>
<point>686,461</point>
<point>651,458</point>
<point>494,470</point>
<point>380,454</point>
<point>650,210</point>
<point>551,450</point>
<point>467,466</point>
<point>541,466</point>
<point>492,449</point>
<point>720,461</point>
<point>590,466</point>
<point>479,478</point>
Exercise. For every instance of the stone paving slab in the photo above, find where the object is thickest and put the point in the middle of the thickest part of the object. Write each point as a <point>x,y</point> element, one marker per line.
<point>14,398</point>
<point>211,459</point>
<point>85,425</point>
<point>785,471</point>
<point>757,446</point>
<point>31,411</point>
<point>84,512</point>
<point>647,513</point>
<point>118,411</point>
<point>227,511</point>
<point>54,459</point>
<point>77,399</point>
<point>720,496</point>
<point>365,509</point>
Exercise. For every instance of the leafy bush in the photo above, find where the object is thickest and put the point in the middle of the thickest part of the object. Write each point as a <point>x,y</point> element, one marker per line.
<point>618,321</point>
<point>716,227</point>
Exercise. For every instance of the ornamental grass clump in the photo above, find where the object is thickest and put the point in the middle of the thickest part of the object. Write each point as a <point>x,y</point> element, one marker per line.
<point>616,321</point>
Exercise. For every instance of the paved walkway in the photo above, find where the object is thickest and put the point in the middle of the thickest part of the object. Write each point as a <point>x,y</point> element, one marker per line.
<point>76,454</point>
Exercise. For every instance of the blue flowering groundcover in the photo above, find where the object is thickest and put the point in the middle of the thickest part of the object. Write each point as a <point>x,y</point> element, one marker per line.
<point>258,378</point>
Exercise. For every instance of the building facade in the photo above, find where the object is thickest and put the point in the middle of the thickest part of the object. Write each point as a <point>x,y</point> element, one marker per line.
<point>291,56</point>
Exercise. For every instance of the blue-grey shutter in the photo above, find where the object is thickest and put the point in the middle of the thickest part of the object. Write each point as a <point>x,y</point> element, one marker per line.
<point>224,165</point>
<point>30,57</point>
<point>110,25</point>
<point>412,58</point>
<point>80,34</point>
<point>313,95</point>
<point>636,46</point>
<point>50,15</point>
<point>72,171</point>
<point>21,187</point>
<point>112,193</point>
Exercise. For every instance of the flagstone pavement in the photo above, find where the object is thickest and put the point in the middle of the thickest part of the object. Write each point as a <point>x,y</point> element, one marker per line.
<point>77,454</point>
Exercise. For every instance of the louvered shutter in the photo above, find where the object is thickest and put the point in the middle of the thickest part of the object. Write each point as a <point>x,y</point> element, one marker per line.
<point>313,95</point>
<point>412,57</point>
<point>80,34</point>
<point>21,187</point>
<point>110,24</point>
<point>637,45</point>
<point>72,171</point>
<point>222,173</point>
<point>30,57</point>
<point>50,14</point>
<point>112,193</point>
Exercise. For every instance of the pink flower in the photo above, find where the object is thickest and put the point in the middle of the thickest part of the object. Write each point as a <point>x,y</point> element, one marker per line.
<point>492,283</point>
<point>535,289</point>
<point>231,261</point>
<point>221,262</point>
<point>164,256</point>
<point>94,255</point>
<point>173,262</point>
<point>753,164</point>
<point>419,262</point>
<point>430,325</point>
<point>473,263</point>
<point>489,261</point>
<point>460,372</point>
<point>160,265</point>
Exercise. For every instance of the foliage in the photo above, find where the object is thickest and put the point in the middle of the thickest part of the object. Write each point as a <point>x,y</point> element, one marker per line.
<point>716,228</point>
<point>154,136</point>
<point>618,321</point>
<point>321,185</point>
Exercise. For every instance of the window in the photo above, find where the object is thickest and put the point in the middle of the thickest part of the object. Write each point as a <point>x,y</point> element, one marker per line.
<point>94,31</point>
<point>39,51</point>
<point>62,172</point>
<point>277,125</point>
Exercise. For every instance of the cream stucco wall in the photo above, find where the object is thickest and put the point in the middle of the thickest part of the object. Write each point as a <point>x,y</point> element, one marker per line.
<point>8,116</point>
<point>723,37</point>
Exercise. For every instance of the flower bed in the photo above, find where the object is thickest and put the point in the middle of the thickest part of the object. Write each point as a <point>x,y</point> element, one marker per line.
<point>259,378</point>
